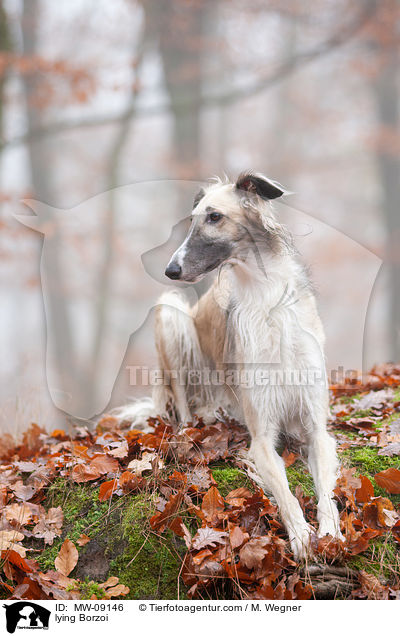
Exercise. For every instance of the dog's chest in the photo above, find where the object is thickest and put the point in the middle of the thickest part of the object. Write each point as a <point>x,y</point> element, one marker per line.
<point>264,334</point>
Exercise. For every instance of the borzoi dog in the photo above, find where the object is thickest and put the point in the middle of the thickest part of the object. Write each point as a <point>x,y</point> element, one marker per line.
<point>260,305</point>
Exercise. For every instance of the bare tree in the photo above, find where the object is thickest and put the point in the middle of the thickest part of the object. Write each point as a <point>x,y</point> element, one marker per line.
<point>178,28</point>
<point>108,230</point>
<point>5,46</point>
<point>385,90</point>
<point>40,167</point>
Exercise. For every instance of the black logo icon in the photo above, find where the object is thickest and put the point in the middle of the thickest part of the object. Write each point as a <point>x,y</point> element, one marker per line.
<point>26,615</point>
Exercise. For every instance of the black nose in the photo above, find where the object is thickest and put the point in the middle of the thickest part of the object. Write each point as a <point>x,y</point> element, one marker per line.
<point>173,271</point>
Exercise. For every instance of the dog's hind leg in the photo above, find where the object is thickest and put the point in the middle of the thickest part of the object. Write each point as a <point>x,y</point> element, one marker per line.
<point>179,353</point>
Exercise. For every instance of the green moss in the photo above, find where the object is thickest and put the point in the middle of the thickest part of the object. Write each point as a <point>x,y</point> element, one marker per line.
<point>348,399</point>
<point>298,475</point>
<point>149,564</point>
<point>83,514</point>
<point>359,414</point>
<point>367,457</point>
<point>229,478</point>
<point>367,462</point>
<point>377,424</point>
<point>381,559</point>
<point>47,557</point>
<point>347,433</point>
<point>88,589</point>
<point>122,542</point>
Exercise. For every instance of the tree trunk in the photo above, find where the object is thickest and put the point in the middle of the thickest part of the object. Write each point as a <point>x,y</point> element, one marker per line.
<point>178,26</point>
<point>40,166</point>
<point>387,108</point>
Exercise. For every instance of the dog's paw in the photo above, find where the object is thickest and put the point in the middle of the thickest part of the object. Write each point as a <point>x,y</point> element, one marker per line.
<point>331,528</point>
<point>205,414</point>
<point>300,541</point>
<point>329,524</point>
<point>136,415</point>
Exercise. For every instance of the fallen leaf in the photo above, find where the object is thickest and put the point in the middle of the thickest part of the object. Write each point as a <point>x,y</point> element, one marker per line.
<point>49,525</point>
<point>3,496</point>
<point>237,537</point>
<point>59,434</point>
<point>161,520</point>
<point>130,482</point>
<point>108,423</point>
<point>111,582</point>
<point>366,490</point>
<point>238,497</point>
<point>21,513</point>
<point>377,513</point>
<point>120,451</point>
<point>253,553</point>
<point>83,540</point>
<point>118,590</point>
<point>390,450</point>
<point>348,483</point>
<point>9,541</point>
<point>139,466</point>
<point>177,526</point>
<point>371,587</point>
<point>25,467</point>
<point>373,399</point>
<point>206,537</point>
<point>107,489</point>
<point>82,473</point>
<point>31,442</point>
<point>389,479</point>
<point>396,531</point>
<point>25,565</point>
<point>24,493</point>
<point>67,558</point>
<point>212,505</point>
<point>288,457</point>
<point>104,464</point>
<point>200,478</point>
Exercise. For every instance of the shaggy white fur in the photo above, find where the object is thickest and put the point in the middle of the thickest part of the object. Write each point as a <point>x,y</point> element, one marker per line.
<point>263,308</point>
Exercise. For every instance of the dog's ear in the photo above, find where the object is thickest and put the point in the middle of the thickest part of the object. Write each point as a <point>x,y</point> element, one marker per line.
<point>198,197</point>
<point>258,184</point>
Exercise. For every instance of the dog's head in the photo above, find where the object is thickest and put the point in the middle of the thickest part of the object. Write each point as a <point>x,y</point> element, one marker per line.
<point>228,220</point>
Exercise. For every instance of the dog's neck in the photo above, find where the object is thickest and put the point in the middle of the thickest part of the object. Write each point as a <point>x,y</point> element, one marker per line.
<point>262,278</point>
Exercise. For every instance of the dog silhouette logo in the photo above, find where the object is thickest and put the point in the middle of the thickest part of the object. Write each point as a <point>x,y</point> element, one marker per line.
<point>26,615</point>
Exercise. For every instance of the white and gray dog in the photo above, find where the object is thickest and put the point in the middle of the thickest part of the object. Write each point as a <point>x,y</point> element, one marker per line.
<point>260,314</point>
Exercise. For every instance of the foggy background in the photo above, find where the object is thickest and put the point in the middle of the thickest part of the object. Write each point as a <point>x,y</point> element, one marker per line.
<point>95,95</point>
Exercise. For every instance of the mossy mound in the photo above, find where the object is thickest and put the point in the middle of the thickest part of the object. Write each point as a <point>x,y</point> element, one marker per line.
<point>367,462</point>
<point>229,478</point>
<point>122,542</point>
<point>124,545</point>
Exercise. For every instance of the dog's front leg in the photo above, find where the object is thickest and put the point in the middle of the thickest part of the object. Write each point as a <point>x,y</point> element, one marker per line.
<point>272,472</point>
<point>323,464</point>
<point>271,469</point>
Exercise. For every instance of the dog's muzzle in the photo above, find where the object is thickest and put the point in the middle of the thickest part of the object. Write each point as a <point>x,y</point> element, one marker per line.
<point>174,271</point>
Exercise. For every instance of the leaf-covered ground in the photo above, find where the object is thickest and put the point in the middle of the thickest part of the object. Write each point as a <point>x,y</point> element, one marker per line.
<point>115,512</point>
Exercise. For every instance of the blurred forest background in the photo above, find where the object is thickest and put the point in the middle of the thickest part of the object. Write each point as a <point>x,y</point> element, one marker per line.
<point>99,94</point>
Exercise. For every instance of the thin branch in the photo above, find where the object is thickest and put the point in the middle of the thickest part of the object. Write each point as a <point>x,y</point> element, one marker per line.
<point>339,39</point>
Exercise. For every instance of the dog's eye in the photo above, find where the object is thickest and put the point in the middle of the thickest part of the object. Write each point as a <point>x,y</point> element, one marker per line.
<point>214,217</point>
